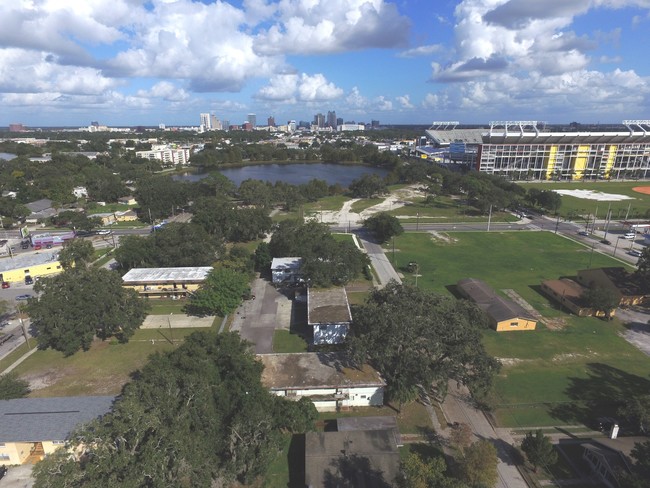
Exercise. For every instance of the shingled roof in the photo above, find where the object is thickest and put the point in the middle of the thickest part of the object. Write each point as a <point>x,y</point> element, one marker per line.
<point>497,307</point>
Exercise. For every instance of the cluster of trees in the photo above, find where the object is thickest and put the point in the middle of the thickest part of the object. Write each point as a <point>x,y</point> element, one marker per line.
<point>175,244</point>
<point>215,155</point>
<point>416,338</point>
<point>196,416</point>
<point>326,261</point>
<point>474,465</point>
<point>642,273</point>
<point>80,304</point>
<point>384,226</point>
<point>11,386</point>
<point>368,186</point>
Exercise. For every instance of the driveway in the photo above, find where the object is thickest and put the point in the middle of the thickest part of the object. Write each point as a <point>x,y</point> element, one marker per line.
<point>379,260</point>
<point>18,477</point>
<point>457,407</point>
<point>257,319</point>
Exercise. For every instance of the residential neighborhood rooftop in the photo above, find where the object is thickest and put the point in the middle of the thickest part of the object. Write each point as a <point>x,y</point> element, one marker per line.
<point>315,369</point>
<point>485,297</point>
<point>39,419</point>
<point>327,305</point>
<point>352,458</point>
<point>566,288</point>
<point>166,275</point>
<point>286,263</point>
<point>27,260</point>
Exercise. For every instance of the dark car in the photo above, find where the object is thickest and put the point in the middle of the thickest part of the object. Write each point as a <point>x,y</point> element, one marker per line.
<point>26,296</point>
<point>29,280</point>
<point>5,284</point>
<point>605,241</point>
<point>583,233</point>
<point>24,244</point>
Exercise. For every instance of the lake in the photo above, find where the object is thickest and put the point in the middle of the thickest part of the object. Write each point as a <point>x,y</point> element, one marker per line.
<point>294,173</point>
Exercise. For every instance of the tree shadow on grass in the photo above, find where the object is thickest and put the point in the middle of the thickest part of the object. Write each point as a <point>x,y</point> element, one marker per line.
<point>601,393</point>
<point>296,459</point>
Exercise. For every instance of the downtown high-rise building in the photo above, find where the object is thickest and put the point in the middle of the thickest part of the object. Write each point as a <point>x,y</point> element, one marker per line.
<point>331,119</point>
<point>319,120</point>
<point>206,123</point>
<point>270,121</point>
<point>252,120</point>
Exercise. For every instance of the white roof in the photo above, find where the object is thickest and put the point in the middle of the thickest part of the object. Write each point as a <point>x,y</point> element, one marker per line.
<point>27,260</point>
<point>286,263</point>
<point>165,275</point>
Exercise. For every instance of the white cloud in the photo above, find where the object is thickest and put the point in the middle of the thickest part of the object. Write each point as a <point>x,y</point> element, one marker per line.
<point>404,101</point>
<point>421,51</point>
<point>165,90</point>
<point>327,26</point>
<point>383,104</point>
<point>305,88</point>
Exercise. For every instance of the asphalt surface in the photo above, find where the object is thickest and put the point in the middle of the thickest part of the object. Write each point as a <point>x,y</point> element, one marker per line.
<point>257,319</point>
<point>381,264</point>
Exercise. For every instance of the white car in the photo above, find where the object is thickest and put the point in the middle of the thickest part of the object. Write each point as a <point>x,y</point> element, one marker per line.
<point>635,253</point>
<point>629,235</point>
<point>103,232</point>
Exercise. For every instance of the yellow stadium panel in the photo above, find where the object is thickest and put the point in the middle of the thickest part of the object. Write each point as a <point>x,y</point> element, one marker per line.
<point>610,160</point>
<point>580,162</point>
<point>550,163</point>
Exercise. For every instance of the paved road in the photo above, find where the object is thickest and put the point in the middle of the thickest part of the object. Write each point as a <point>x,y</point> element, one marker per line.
<point>383,267</point>
<point>458,409</point>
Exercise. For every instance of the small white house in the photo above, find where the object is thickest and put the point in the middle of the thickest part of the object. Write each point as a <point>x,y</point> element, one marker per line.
<point>286,271</point>
<point>80,192</point>
<point>328,314</point>
<point>330,380</point>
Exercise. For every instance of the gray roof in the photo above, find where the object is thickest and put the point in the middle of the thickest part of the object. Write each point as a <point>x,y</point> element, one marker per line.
<point>39,205</point>
<point>498,308</point>
<point>166,275</point>
<point>293,263</point>
<point>27,260</point>
<point>363,459</point>
<point>315,370</point>
<point>48,419</point>
<point>327,306</point>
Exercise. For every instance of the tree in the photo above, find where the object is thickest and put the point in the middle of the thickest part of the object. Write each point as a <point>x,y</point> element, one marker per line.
<point>602,300</point>
<point>11,386</point>
<point>479,464</point>
<point>367,186</point>
<point>418,472</point>
<point>79,304</point>
<point>220,294</point>
<point>637,410</point>
<point>195,416</point>
<point>263,257</point>
<point>384,226</point>
<point>538,449</point>
<point>325,260</point>
<point>416,337</point>
<point>642,274</point>
<point>158,196</point>
<point>76,252</point>
<point>461,436</point>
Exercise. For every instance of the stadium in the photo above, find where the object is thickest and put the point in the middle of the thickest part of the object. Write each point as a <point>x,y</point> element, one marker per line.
<point>522,150</point>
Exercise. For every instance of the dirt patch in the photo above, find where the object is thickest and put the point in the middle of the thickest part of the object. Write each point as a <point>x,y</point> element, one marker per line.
<point>38,381</point>
<point>642,189</point>
<point>554,323</point>
<point>439,236</point>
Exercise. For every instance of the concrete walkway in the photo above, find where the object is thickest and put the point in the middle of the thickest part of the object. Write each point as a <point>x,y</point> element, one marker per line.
<point>176,321</point>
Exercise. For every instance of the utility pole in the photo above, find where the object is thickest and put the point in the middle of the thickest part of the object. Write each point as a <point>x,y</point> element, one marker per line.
<point>417,221</point>
<point>489,219</point>
<point>557,224</point>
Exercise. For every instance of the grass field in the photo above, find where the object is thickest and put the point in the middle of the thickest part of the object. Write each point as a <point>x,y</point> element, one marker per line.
<point>163,306</point>
<point>334,202</point>
<point>639,206</point>
<point>100,371</point>
<point>364,203</point>
<point>549,377</point>
<point>285,342</point>
<point>446,209</point>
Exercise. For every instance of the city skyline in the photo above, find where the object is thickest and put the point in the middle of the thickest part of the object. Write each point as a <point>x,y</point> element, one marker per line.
<point>137,62</point>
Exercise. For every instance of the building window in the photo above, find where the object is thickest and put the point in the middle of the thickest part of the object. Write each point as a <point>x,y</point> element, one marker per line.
<point>58,443</point>
<point>514,324</point>
<point>26,271</point>
<point>58,267</point>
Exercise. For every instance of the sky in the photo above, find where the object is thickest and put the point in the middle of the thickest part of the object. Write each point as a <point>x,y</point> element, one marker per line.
<point>147,62</point>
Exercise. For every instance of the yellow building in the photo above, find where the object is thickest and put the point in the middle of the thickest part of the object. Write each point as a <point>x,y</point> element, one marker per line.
<point>32,428</point>
<point>34,264</point>
<point>126,216</point>
<point>504,315</point>
<point>165,282</point>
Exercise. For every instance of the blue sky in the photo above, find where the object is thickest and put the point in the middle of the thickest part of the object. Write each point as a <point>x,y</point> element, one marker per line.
<point>136,62</point>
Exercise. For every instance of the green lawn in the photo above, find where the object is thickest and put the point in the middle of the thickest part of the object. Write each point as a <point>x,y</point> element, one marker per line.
<point>100,371</point>
<point>550,377</point>
<point>639,205</point>
<point>334,202</point>
<point>413,419</point>
<point>344,238</point>
<point>360,205</point>
<point>284,342</point>
<point>446,209</point>
<point>162,306</point>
